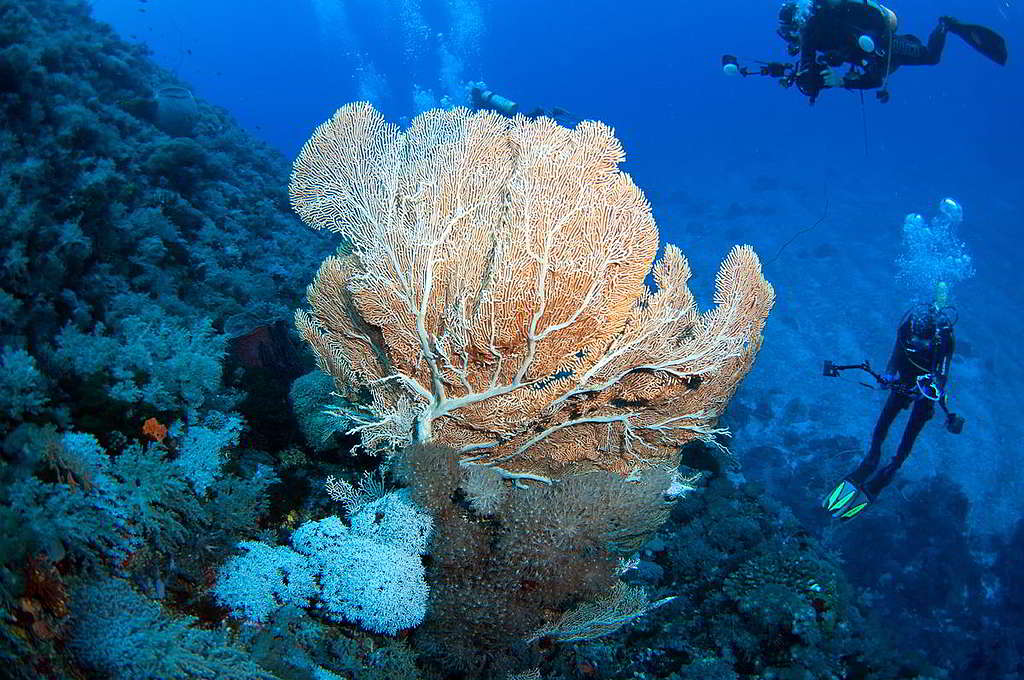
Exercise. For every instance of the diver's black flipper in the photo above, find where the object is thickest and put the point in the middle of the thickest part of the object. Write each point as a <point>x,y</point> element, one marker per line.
<point>981,38</point>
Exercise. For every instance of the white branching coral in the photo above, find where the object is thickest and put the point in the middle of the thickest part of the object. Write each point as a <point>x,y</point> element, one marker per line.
<point>495,300</point>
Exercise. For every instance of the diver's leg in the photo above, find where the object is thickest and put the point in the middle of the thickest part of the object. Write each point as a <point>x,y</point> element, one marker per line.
<point>921,414</point>
<point>936,43</point>
<point>893,405</point>
<point>908,50</point>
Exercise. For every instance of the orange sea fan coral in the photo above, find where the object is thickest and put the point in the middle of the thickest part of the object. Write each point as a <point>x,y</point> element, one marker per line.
<point>495,299</point>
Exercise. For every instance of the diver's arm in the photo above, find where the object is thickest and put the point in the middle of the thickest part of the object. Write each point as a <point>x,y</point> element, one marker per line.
<point>892,368</point>
<point>945,362</point>
<point>808,55</point>
<point>892,371</point>
<point>941,379</point>
<point>808,79</point>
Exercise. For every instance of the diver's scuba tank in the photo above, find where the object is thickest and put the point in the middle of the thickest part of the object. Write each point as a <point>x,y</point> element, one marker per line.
<point>502,105</point>
<point>892,22</point>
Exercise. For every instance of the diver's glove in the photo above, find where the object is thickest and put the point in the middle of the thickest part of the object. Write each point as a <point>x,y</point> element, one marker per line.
<point>888,379</point>
<point>831,78</point>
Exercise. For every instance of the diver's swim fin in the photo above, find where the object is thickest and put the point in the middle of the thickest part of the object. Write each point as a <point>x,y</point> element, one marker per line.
<point>846,501</point>
<point>981,38</point>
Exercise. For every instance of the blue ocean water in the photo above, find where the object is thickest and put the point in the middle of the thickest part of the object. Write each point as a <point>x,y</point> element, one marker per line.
<point>644,72</point>
<point>822,192</point>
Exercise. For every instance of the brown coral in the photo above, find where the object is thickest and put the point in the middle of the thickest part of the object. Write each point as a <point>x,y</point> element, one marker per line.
<point>495,300</point>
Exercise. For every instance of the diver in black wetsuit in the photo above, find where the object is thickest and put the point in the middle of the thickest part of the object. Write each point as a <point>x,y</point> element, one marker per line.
<point>916,376</point>
<point>482,98</point>
<point>862,34</point>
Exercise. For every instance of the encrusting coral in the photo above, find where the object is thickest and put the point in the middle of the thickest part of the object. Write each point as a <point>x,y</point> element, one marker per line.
<point>495,298</point>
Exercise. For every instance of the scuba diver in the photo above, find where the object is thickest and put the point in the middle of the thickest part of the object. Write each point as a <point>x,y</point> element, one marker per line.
<point>482,98</point>
<point>916,376</point>
<point>861,34</point>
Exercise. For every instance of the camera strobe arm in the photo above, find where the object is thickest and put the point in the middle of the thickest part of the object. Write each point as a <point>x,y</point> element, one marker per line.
<point>831,370</point>
<point>954,422</point>
<point>784,72</point>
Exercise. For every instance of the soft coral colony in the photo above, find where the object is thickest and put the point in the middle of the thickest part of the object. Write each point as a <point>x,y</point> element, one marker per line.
<point>495,300</point>
<point>490,331</point>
